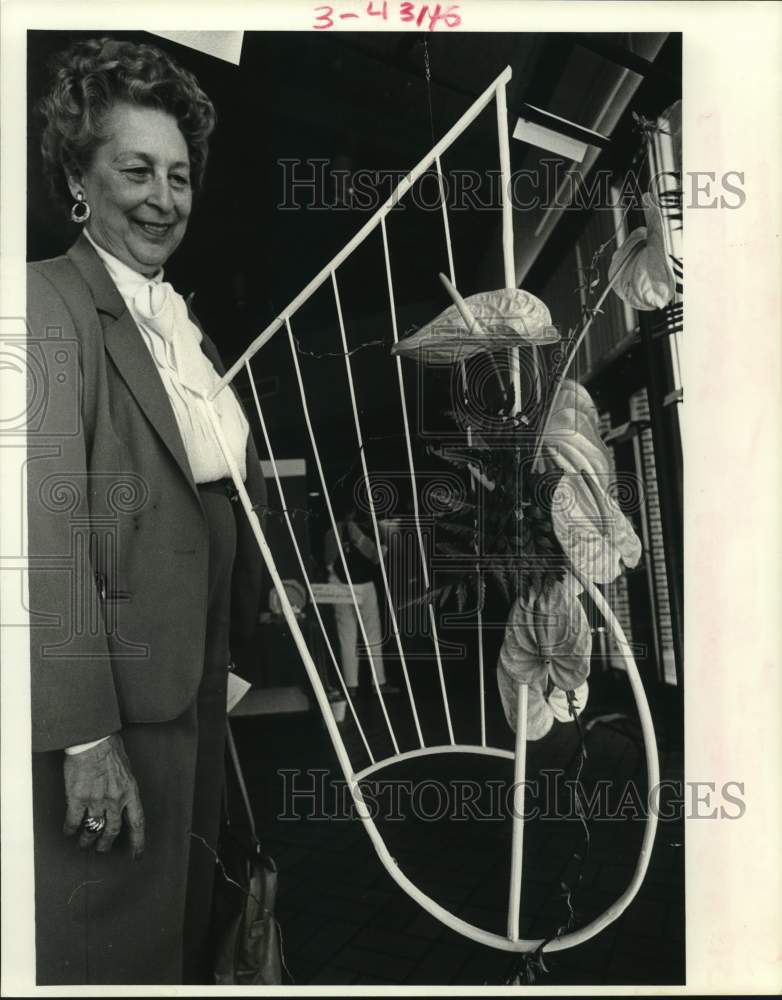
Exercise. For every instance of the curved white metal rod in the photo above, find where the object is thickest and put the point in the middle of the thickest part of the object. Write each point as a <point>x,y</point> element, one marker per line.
<point>652,773</point>
<point>432,907</point>
<point>468,930</point>
<point>431,751</point>
<point>620,905</point>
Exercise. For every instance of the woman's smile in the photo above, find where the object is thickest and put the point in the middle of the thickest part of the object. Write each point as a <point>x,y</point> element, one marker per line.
<point>154,230</point>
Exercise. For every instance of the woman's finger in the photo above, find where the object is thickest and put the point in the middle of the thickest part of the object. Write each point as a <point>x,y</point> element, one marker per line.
<point>74,814</point>
<point>93,824</point>
<point>134,814</point>
<point>113,826</point>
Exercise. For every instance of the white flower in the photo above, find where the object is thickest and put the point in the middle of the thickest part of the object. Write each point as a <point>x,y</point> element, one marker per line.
<point>503,318</point>
<point>597,538</point>
<point>547,638</point>
<point>646,280</point>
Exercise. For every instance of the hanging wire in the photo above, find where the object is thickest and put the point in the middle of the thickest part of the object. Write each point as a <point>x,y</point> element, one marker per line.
<point>570,888</point>
<point>428,70</point>
<point>338,354</point>
<point>264,510</point>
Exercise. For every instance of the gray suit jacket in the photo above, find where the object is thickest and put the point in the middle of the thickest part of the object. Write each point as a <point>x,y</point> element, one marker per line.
<point>117,535</point>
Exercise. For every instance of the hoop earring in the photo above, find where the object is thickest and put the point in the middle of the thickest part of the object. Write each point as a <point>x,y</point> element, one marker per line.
<point>81,210</point>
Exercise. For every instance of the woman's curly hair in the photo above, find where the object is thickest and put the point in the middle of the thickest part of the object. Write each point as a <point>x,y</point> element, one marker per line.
<point>90,77</point>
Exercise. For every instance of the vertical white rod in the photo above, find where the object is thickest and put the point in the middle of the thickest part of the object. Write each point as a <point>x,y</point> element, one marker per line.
<point>481,679</point>
<point>446,225</point>
<point>370,499</point>
<point>416,510</point>
<point>327,498</point>
<point>472,323</point>
<point>508,258</point>
<point>452,270</point>
<point>300,557</point>
<point>405,419</point>
<point>517,841</point>
<point>288,612</point>
<point>479,581</point>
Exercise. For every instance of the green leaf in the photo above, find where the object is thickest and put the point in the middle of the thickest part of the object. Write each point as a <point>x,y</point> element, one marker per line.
<point>427,597</point>
<point>459,530</point>
<point>498,576</point>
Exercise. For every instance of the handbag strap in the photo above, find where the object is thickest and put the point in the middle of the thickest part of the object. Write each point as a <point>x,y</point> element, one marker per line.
<point>240,778</point>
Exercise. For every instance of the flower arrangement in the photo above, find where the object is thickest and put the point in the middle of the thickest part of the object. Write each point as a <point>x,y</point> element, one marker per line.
<point>550,528</point>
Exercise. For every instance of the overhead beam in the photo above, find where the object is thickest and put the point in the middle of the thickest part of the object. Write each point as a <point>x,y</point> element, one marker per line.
<point>620,55</point>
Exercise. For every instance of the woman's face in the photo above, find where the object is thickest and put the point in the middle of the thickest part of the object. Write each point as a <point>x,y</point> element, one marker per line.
<point>138,187</point>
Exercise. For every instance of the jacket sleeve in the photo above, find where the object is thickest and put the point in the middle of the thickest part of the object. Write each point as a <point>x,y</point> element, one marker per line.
<point>247,582</point>
<point>72,688</point>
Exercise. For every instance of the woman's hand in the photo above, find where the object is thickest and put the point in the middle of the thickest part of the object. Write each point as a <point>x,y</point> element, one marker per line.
<point>99,783</point>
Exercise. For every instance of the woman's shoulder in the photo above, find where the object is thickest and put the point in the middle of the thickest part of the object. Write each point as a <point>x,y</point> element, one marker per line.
<point>56,295</point>
<point>46,281</point>
<point>58,281</point>
<point>56,271</point>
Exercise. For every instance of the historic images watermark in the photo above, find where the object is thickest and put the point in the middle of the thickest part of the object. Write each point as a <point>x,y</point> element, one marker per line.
<point>313,184</point>
<point>314,794</point>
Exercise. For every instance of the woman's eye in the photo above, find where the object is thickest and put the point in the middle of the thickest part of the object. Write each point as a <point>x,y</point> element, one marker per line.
<point>137,173</point>
<point>179,180</point>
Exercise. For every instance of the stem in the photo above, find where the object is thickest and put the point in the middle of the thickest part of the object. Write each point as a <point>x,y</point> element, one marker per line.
<point>559,379</point>
<point>472,326</point>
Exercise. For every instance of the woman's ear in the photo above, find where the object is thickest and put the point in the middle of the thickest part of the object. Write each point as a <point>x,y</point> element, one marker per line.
<point>75,180</point>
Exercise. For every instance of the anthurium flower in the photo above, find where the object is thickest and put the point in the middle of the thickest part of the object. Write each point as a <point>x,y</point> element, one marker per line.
<point>574,421</point>
<point>645,277</point>
<point>547,638</point>
<point>503,318</point>
<point>589,525</point>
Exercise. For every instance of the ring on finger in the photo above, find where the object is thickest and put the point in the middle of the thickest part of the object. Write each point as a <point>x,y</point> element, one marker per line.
<point>94,824</point>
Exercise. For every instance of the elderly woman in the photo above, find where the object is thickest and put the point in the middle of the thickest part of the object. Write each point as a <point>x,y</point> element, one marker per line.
<point>143,578</point>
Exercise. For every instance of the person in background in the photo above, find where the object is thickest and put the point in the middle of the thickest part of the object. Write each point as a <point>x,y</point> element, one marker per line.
<point>360,554</point>
<point>144,575</point>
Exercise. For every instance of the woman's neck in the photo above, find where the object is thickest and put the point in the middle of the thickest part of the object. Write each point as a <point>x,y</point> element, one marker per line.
<point>96,240</point>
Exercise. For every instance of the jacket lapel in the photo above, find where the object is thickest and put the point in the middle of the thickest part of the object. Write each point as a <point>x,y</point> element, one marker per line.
<point>213,354</point>
<point>129,352</point>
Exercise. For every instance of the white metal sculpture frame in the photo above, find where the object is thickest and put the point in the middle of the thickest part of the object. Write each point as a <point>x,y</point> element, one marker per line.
<point>511,941</point>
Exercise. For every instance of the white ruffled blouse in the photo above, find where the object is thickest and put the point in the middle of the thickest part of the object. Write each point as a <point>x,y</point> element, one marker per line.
<point>187,374</point>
